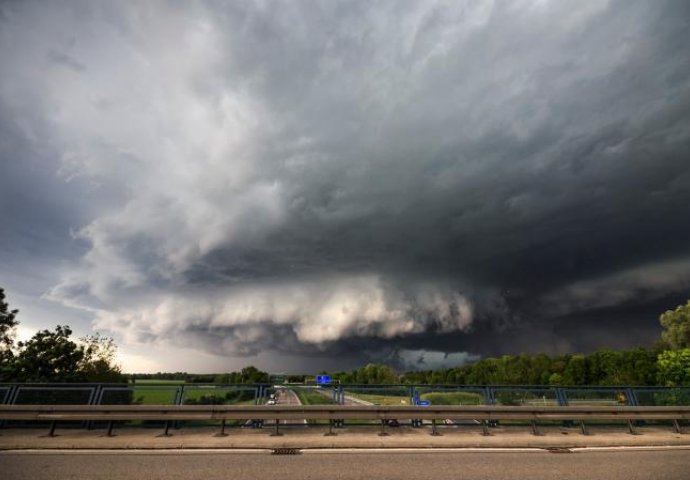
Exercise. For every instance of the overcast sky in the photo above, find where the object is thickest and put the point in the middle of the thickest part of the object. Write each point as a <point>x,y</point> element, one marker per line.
<point>305,185</point>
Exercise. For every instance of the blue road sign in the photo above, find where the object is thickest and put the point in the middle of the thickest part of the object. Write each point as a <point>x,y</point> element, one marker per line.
<point>323,379</point>
<point>423,403</point>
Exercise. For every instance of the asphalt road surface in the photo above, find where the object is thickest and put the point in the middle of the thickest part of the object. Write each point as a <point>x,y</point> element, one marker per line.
<point>286,396</point>
<point>400,465</point>
<point>289,398</point>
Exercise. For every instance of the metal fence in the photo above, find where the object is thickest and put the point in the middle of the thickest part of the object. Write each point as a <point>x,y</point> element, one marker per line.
<point>152,394</point>
<point>393,395</point>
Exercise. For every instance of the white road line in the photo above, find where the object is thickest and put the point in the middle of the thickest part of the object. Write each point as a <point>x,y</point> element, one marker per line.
<point>317,451</point>
<point>631,447</point>
<point>136,451</point>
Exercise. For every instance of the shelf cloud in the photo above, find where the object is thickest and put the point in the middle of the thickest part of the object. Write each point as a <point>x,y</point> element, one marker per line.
<point>460,178</point>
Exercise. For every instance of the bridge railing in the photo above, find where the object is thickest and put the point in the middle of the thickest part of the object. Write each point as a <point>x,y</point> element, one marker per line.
<point>277,413</point>
<point>179,393</point>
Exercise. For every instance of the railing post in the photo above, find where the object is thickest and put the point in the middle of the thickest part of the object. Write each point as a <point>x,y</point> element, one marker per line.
<point>110,429</point>
<point>166,432</point>
<point>583,428</point>
<point>277,433</point>
<point>13,395</point>
<point>535,428</point>
<point>330,432</point>
<point>562,400</point>
<point>10,395</point>
<point>490,399</point>
<point>676,426</point>
<point>222,430</point>
<point>561,397</point>
<point>488,396</point>
<point>51,433</point>
<point>258,397</point>
<point>434,430</point>
<point>631,428</point>
<point>485,428</point>
<point>93,400</point>
<point>383,432</point>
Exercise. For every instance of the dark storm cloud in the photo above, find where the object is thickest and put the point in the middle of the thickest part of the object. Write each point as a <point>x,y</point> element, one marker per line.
<point>360,178</point>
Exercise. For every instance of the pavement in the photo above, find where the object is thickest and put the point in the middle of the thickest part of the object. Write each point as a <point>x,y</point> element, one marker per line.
<point>667,463</point>
<point>353,437</point>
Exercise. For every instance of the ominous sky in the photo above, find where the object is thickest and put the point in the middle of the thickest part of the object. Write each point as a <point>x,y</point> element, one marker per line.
<point>305,185</point>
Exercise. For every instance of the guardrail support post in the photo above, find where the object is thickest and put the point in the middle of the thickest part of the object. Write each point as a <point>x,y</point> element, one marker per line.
<point>166,433</point>
<point>434,430</point>
<point>676,426</point>
<point>222,430</point>
<point>330,432</point>
<point>485,428</point>
<point>535,428</point>
<point>583,428</point>
<point>276,432</point>
<point>51,433</point>
<point>383,432</point>
<point>110,430</point>
<point>631,428</point>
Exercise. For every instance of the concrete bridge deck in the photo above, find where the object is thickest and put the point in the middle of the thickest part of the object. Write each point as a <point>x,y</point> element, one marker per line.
<point>312,437</point>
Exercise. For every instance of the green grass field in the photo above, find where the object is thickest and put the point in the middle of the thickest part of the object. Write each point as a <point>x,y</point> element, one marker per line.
<point>453,398</point>
<point>140,381</point>
<point>436,398</point>
<point>219,395</point>
<point>379,399</point>
<point>151,395</point>
<point>311,397</point>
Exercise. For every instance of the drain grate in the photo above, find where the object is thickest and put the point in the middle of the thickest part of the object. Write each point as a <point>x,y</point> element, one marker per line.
<point>558,450</point>
<point>286,451</point>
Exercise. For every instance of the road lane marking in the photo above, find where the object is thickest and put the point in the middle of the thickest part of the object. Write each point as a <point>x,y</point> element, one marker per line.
<point>321,451</point>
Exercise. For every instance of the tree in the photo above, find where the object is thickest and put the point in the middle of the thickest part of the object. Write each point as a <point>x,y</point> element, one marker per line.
<point>8,323</point>
<point>50,356</point>
<point>555,379</point>
<point>484,372</point>
<point>575,372</point>
<point>676,325</point>
<point>251,374</point>
<point>97,364</point>
<point>673,367</point>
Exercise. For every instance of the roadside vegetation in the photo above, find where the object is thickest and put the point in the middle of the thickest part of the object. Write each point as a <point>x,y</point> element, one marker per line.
<point>453,398</point>
<point>53,356</point>
<point>667,363</point>
<point>312,397</point>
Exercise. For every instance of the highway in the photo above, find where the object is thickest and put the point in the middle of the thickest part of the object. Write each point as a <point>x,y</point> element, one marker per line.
<point>285,396</point>
<point>666,464</point>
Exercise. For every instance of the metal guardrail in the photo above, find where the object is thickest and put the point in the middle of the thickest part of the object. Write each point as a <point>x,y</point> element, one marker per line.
<point>485,414</point>
<point>332,412</point>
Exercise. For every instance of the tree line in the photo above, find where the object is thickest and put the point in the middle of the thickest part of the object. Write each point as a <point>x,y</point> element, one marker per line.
<point>667,363</point>
<point>248,375</point>
<point>52,356</point>
<point>637,366</point>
